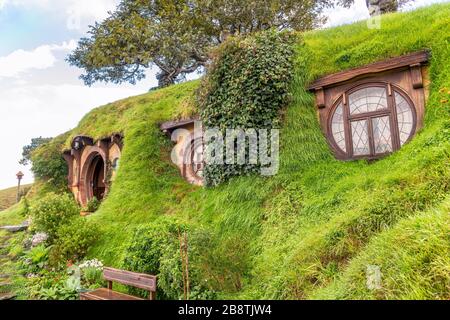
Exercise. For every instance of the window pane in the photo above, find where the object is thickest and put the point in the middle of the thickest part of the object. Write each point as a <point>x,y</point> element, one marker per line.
<point>360,138</point>
<point>382,135</point>
<point>404,117</point>
<point>368,100</point>
<point>337,128</point>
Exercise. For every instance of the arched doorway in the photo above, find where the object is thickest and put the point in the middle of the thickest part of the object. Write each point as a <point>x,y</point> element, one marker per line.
<point>97,179</point>
<point>93,178</point>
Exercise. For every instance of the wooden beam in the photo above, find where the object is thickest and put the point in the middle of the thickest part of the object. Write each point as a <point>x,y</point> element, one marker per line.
<point>417,58</point>
<point>416,76</point>
<point>320,98</point>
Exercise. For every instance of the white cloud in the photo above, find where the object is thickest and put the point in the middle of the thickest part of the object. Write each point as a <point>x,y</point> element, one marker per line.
<point>358,11</point>
<point>74,9</point>
<point>339,15</point>
<point>40,58</point>
<point>97,9</point>
<point>45,110</point>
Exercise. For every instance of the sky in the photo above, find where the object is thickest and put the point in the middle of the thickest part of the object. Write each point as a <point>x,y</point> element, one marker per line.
<point>41,95</point>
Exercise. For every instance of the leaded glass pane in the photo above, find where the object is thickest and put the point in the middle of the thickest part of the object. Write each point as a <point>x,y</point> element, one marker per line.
<point>337,127</point>
<point>368,100</point>
<point>360,138</point>
<point>382,134</point>
<point>404,117</point>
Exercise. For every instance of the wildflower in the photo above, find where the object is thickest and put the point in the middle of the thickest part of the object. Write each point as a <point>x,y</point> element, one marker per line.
<point>94,263</point>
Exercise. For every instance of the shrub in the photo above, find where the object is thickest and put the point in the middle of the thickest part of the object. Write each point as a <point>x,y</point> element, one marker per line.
<point>48,164</point>
<point>73,241</point>
<point>49,285</point>
<point>145,251</point>
<point>246,87</point>
<point>51,212</point>
<point>155,249</point>
<point>38,255</point>
<point>92,277</point>
<point>92,205</point>
<point>92,273</point>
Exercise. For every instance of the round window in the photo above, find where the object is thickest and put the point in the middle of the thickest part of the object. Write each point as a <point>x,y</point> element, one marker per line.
<point>371,121</point>
<point>194,161</point>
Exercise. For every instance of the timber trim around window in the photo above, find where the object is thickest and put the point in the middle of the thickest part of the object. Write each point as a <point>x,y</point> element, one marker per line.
<point>372,111</point>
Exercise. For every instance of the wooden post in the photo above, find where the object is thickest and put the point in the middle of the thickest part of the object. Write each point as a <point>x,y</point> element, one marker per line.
<point>186,253</point>
<point>19,176</point>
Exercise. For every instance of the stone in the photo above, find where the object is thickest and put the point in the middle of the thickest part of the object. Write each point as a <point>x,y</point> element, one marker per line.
<point>7,296</point>
<point>13,229</point>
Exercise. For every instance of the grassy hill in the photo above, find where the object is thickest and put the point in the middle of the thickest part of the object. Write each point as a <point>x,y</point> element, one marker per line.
<point>8,196</point>
<point>312,230</point>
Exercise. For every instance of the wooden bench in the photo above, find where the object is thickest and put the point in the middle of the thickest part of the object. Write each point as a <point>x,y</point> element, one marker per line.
<point>137,280</point>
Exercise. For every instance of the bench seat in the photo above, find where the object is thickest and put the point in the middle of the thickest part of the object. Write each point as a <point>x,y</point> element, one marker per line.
<point>106,294</point>
<point>137,280</point>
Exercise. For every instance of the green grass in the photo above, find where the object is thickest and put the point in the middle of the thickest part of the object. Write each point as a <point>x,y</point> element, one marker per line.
<point>8,196</point>
<point>310,231</point>
<point>12,216</point>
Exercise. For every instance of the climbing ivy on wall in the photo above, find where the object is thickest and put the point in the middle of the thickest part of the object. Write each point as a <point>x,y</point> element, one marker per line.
<point>247,85</point>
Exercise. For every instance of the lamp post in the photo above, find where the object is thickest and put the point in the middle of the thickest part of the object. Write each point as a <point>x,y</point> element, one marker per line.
<point>19,176</point>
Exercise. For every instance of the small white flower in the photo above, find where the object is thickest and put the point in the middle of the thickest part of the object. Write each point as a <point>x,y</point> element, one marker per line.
<point>94,263</point>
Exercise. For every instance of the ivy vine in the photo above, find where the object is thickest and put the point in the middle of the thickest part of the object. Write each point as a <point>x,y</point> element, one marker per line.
<point>247,85</point>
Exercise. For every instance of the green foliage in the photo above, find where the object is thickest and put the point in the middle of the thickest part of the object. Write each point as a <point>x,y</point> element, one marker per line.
<point>8,197</point>
<point>246,87</point>
<point>176,36</point>
<point>145,251</point>
<point>73,240</point>
<point>93,277</point>
<point>93,205</point>
<point>48,164</point>
<point>53,211</point>
<point>51,285</point>
<point>36,259</point>
<point>414,259</point>
<point>155,249</point>
<point>26,208</point>
<point>29,149</point>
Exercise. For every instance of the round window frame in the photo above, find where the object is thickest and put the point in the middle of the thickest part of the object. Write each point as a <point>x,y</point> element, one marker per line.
<point>189,172</point>
<point>391,111</point>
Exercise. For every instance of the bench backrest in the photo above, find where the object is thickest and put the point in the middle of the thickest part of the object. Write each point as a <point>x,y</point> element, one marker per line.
<point>137,280</point>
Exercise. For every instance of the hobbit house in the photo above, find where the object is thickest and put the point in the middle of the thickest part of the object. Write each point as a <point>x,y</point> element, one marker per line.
<point>92,166</point>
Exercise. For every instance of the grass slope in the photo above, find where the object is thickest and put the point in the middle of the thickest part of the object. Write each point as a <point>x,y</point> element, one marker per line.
<point>8,196</point>
<point>310,231</point>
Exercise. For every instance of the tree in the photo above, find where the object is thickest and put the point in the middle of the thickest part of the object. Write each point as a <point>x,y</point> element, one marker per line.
<point>377,7</point>
<point>28,149</point>
<point>176,35</point>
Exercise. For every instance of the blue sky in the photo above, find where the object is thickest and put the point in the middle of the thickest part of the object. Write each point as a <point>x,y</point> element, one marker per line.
<point>40,95</point>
